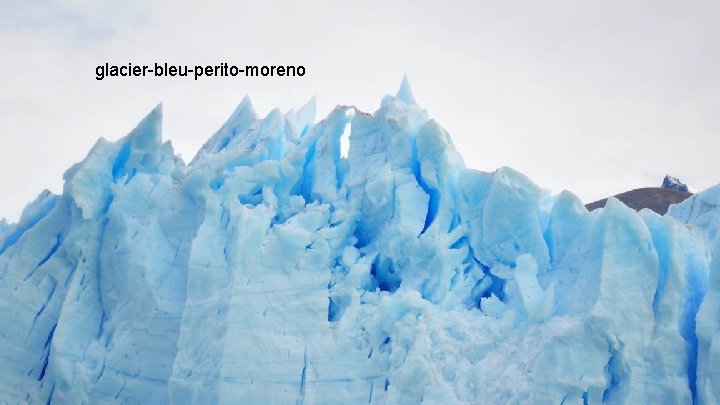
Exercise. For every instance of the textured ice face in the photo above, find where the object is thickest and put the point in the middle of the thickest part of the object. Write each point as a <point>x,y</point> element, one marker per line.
<point>272,269</point>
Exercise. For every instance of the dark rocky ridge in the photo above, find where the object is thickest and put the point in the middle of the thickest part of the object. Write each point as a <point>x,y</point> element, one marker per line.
<point>674,183</point>
<point>655,198</point>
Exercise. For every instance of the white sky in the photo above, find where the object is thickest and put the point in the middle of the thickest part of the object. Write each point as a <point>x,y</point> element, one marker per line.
<point>597,97</point>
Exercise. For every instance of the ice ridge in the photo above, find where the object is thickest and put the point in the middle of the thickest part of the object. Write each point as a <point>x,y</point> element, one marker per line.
<point>272,269</point>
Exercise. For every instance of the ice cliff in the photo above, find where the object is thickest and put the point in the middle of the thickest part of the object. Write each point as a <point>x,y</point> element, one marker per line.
<point>273,269</point>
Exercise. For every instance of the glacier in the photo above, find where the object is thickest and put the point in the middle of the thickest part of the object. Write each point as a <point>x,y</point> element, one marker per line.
<point>275,268</point>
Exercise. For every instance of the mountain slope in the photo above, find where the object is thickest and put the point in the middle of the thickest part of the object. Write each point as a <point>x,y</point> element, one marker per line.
<point>655,198</point>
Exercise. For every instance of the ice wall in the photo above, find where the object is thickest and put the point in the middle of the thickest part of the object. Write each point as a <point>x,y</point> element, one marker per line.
<point>271,269</point>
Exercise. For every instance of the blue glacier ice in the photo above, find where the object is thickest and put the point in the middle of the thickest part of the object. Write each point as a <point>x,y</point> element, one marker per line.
<point>275,269</point>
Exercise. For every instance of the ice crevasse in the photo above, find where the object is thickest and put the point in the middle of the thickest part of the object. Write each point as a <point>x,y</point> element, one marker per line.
<point>274,269</point>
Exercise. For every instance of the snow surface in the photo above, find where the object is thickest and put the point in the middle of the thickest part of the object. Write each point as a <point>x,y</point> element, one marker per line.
<point>273,270</point>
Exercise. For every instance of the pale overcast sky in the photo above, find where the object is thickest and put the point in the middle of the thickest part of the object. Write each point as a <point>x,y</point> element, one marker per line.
<point>597,97</point>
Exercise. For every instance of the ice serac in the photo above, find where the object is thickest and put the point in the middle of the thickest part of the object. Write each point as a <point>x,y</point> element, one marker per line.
<point>275,269</point>
<point>708,337</point>
<point>702,211</point>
